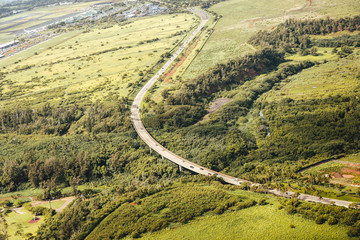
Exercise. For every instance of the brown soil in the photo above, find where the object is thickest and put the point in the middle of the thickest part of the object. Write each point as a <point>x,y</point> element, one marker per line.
<point>349,170</point>
<point>169,74</point>
<point>336,175</point>
<point>348,176</point>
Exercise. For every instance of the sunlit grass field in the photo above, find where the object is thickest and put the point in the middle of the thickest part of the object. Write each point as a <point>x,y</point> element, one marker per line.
<point>91,65</point>
<point>331,78</point>
<point>19,223</point>
<point>241,19</point>
<point>259,222</point>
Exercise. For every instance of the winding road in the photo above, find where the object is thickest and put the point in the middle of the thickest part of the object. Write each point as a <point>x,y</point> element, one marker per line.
<point>165,153</point>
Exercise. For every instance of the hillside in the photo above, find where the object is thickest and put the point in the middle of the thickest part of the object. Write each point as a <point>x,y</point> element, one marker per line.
<point>266,91</point>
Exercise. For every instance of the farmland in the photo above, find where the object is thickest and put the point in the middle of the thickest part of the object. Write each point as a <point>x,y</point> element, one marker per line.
<point>12,26</point>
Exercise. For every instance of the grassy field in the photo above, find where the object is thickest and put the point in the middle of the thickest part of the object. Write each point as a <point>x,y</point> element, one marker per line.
<point>241,19</point>
<point>259,222</point>
<point>54,204</point>
<point>19,223</point>
<point>91,65</point>
<point>9,25</point>
<point>335,77</point>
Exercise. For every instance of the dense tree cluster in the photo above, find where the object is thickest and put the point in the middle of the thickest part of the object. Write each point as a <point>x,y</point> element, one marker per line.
<point>340,41</point>
<point>78,160</point>
<point>136,210</point>
<point>295,33</point>
<point>98,117</point>
<point>222,76</point>
<point>325,213</point>
<point>216,143</point>
<point>334,123</point>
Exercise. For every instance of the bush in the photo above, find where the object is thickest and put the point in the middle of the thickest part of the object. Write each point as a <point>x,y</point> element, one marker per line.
<point>332,220</point>
<point>354,231</point>
<point>262,202</point>
<point>320,219</point>
<point>18,203</point>
<point>6,203</point>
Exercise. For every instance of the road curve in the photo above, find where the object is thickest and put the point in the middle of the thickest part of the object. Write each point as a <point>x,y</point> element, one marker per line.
<point>165,153</point>
<point>146,137</point>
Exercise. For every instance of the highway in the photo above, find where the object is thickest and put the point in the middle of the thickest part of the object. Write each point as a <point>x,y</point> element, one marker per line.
<point>165,153</point>
<point>146,137</point>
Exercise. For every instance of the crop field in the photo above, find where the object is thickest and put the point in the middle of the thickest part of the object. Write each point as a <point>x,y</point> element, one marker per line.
<point>91,65</point>
<point>241,19</point>
<point>9,26</point>
<point>259,222</point>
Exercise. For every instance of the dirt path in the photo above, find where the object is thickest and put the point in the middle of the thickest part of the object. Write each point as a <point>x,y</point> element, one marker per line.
<point>67,200</point>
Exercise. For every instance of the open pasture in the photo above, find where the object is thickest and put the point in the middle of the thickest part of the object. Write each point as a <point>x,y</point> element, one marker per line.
<point>93,64</point>
<point>241,19</point>
<point>331,78</point>
<point>259,222</point>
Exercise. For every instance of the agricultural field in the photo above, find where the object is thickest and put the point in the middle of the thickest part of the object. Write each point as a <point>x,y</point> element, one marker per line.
<point>12,26</point>
<point>241,19</point>
<point>91,65</point>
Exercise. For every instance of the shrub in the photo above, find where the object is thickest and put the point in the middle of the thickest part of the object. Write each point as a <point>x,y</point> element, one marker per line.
<point>320,219</point>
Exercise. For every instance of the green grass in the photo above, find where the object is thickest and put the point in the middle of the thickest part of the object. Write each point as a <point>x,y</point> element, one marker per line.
<point>76,67</point>
<point>329,166</point>
<point>24,194</point>
<point>351,158</point>
<point>233,30</point>
<point>54,204</point>
<point>259,222</point>
<point>334,77</point>
<point>20,222</point>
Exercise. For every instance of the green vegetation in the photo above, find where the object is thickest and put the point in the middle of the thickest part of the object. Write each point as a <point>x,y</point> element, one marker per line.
<point>325,213</point>
<point>54,204</point>
<point>135,210</point>
<point>18,224</point>
<point>259,222</point>
<point>303,119</point>
<point>292,100</point>
<point>241,19</point>
<point>108,61</point>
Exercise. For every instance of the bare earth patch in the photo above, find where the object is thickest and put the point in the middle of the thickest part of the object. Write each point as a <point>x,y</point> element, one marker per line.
<point>336,175</point>
<point>214,106</point>
<point>348,176</point>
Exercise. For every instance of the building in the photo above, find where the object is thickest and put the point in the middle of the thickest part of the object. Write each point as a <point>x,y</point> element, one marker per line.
<point>7,45</point>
